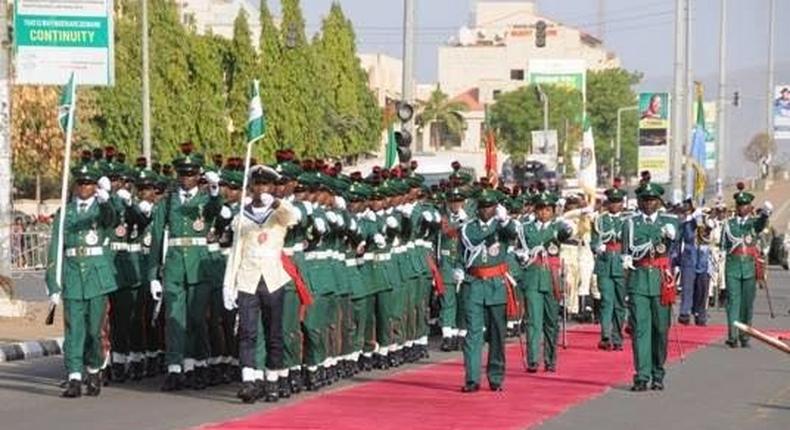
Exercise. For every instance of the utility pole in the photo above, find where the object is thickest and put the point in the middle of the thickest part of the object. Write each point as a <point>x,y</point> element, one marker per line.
<point>5,146</point>
<point>146,89</point>
<point>770,98</point>
<point>679,109</point>
<point>408,64</point>
<point>721,108</point>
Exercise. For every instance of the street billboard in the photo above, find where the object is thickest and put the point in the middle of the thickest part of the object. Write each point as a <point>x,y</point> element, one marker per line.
<point>54,38</point>
<point>567,73</point>
<point>545,148</point>
<point>654,135</point>
<point>781,104</point>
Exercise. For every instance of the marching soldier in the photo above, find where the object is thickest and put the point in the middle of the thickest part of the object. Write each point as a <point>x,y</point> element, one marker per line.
<point>186,215</point>
<point>744,265</point>
<point>487,288</point>
<point>452,314</point>
<point>648,237</point>
<point>540,242</point>
<point>608,246</point>
<point>87,277</point>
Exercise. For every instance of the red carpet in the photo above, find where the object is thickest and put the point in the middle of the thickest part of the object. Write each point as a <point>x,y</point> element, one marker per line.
<point>429,397</point>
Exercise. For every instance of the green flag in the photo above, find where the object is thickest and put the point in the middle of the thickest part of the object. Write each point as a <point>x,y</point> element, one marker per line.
<point>392,151</point>
<point>66,105</point>
<point>256,123</point>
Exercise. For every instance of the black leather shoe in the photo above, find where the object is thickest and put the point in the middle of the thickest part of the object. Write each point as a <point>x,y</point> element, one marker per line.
<point>73,389</point>
<point>136,370</point>
<point>296,382</point>
<point>470,387</point>
<point>496,387</point>
<point>617,347</point>
<point>684,319</point>
<point>365,363</point>
<point>93,387</point>
<point>551,368</point>
<point>284,388</point>
<point>173,382</point>
<point>605,345</point>
<point>532,368</point>
<point>731,343</point>
<point>460,341</point>
<point>639,386</point>
<point>657,386</point>
<point>270,392</point>
<point>311,380</point>
<point>248,392</point>
<point>260,389</point>
<point>424,353</point>
<point>744,343</point>
<point>201,377</point>
<point>447,344</point>
<point>119,373</point>
<point>151,367</point>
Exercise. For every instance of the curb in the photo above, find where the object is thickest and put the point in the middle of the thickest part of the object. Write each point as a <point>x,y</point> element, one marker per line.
<point>31,349</point>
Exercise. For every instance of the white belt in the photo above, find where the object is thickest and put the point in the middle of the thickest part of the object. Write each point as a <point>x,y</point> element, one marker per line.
<point>398,249</point>
<point>353,262</point>
<point>119,246</point>
<point>136,247</point>
<point>445,252</point>
<point>368,256</point>
<point>318,255</point>
<point>337,255</point>
<point>225,251</point>
<point>84,251</point>
<point>411,245</point>
<point>187,241</point>
<point>383,257</point>
<point>213,247</point>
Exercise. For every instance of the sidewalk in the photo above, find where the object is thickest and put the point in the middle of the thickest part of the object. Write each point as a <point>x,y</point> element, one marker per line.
<point>27,337</point>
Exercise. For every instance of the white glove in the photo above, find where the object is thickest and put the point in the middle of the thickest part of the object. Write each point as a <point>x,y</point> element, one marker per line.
<point>668,230</point>
<point>768,208</point>
<point>352,224</point>
<point>308,208</point>
<point>628,262</point>
<point>600,249</point>
<point>522,255</point>
<point>379,240</point>
<point>697,214</point>
<point>102,195</point>
<point>320,225</point>
<point>501,213</point>
<point>406,209</point>
<point>225,213</point>
<point>212,178</point>
<point>145,207</point>
<point>156,290</point>
<point>266,198</point>
<point>462,215</point>
<point>332,217</point>
<point>247,200</point>
<point>561,202</point>
<point>54,298</point>
<point>340,202</point>
<point>104,184</point>
<point>458,276</point>
<point>124,195</point>
<point>392,222</point>
<point>229,296</point>
<point>427,216</point>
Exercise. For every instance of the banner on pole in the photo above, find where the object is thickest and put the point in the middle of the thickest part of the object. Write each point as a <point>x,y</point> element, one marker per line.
<point>545,148</point>
<point>654,135</point>
<point>54,38</point>
<point>781,103</point>
<point>710,111</point>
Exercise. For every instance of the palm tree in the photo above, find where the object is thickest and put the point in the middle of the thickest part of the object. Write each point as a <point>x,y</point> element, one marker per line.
<point>445,114</point>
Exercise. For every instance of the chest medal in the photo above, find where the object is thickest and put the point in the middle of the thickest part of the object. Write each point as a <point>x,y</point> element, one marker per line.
<point>493,250</point>
<point>198,225</point>
<point>553,249</point>
<point>262,237</point>
<point>661,248</point>
<point>120,231</point>
<point>748,239</point>
<point>134,233</point>
<point>92,238</point>
<point>147,239</point>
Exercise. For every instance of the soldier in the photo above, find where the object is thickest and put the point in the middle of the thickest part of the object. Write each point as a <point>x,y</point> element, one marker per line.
<point>648,237</point>
<point>255,277</point>
<point>486,290</point>
<point>539,252</point>
<point>608,246</point>
<point>87,277</point>
<point>743,265</point>
<point>452,313</point>
<point>186,214</point>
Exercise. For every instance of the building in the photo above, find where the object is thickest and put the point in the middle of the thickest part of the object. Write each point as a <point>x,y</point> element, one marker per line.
<point>497,53</point>
<point>217,16</point>
<point>385,76</point>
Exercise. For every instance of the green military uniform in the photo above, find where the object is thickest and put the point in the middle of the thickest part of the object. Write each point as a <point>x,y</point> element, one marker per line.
<point>607,245</point>
<point>739,243</point>
<point>186,215</point>
<point>88,276</point>
<point>540,249</point>
<point>425,222</point>
<point>648,241</point>
<point>451,315</point>
<point>485,292</point>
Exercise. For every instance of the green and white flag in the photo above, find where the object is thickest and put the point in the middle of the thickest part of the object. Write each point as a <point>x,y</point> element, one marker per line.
<point>588,169</point>
<point>66,106</point>
<point>256,123</point>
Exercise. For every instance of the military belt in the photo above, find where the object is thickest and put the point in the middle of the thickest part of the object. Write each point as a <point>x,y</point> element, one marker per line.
<point>187,241</point>
<point>225,251</point>
<point>318,255</point>
<point>383,257</point>
<point>136,247</point>
<point>119,246</point>
<point>353,262</point>
<point>84,251</point>
<point>213,247</point>
<point>445,252</point>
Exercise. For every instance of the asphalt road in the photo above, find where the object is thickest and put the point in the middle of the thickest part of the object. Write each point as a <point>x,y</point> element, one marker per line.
<point>715,388</point>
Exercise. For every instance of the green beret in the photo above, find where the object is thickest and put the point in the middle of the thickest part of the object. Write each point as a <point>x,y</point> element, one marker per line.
<point>488,197</point>
<point>615,195</point>
<point>359,191</point>
<point>309,179</point>
<point>545,198</point>
<point>743,198</point>
<point>456,194</point>
<point>650,190</point>
<point>288,170</point>
<point>146,177</point>
<point>86,173</point>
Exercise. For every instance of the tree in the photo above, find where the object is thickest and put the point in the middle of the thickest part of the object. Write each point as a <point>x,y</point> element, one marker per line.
<point>442,116</point>
<point>207,95</point>
<point>607,91</point>
<point>517,113</point>
<point>241,67</point>
<point>759,151</point>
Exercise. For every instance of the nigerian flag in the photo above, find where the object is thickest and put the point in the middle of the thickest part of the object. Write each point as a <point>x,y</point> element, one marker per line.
<point>256,123</point>
<point>66,105</point>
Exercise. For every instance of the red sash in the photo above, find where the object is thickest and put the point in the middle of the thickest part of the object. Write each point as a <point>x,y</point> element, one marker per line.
<point>438,282</point>
<point>499,271</point>
<point>668,290</point>
<point>305,298</point>
<point>614,247</point>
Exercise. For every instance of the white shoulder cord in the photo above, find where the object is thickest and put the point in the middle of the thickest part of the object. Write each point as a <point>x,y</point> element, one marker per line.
<point>470,251</point>
<point>639,251</point>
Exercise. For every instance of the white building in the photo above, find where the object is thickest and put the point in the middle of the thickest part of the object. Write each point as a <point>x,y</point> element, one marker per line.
<point>495,54</point>
<point>217,16</point>
<point>385,76</point>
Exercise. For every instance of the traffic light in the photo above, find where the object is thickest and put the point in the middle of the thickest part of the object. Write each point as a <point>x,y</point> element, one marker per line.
<point>736,98</point>
<point>540,34</point>
<point>403,137</point>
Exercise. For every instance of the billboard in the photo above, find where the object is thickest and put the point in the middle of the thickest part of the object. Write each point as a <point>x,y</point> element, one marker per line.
<point>781,109</point>
<point>54,38</point>
<point>568,73</point>
<point>545,148</point>
<point>654,135</point>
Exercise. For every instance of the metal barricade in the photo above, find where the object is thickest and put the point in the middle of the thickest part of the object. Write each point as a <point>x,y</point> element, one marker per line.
<point>29,252</point>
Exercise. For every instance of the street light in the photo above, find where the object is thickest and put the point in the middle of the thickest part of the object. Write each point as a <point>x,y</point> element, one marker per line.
<point>619,121</point>
<point>545,100</point>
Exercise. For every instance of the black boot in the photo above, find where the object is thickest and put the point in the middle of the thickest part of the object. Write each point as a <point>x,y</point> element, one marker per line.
<point>296,382</point>
<point>381,362</point>
<point>73,389</point>
<point>119,373</point>
<point>136,370</point>
<point>270,392</point>
<point>173,382</point>
<point>93,387</point>
<point>447,344</point>
<point>226,373</point>
<point>151,367</point>
<point>284,388</point>
<point>248,392</point>
<point>311,380</point>
<point>214,377</point>
<point>639,386</point>
<point>596,311</point>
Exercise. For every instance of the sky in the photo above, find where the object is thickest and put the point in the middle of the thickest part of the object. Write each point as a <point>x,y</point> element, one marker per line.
<point>640,32</point>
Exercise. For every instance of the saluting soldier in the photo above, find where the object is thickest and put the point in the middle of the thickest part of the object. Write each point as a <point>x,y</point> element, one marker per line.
<point>87,277</point>
<point>540,242</point>
<point>608,246</point>
<point>649,237</point>
<point>744,265</point>
<point>186,214</point>
<point>486,290</point>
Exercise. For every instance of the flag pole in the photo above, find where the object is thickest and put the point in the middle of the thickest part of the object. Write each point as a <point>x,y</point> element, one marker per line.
<point>65,184</point>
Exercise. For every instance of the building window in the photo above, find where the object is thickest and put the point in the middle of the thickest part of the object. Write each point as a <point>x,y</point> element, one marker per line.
<point>516,74</point>
<point>497,93</point>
